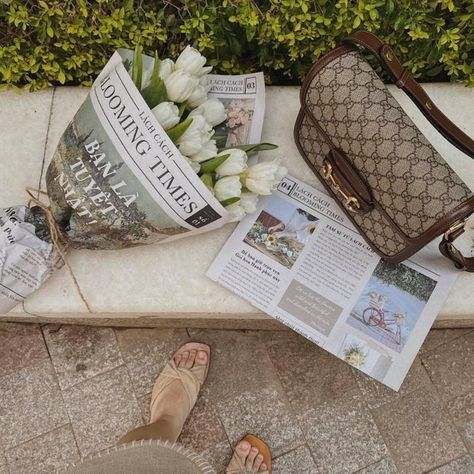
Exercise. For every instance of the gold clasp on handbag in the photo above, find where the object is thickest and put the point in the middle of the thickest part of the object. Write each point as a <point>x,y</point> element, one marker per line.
<point>351,203</point>
<point>454,229</point>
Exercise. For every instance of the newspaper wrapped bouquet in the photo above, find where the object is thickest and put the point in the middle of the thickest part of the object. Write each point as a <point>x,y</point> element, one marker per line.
<point>140,163</point>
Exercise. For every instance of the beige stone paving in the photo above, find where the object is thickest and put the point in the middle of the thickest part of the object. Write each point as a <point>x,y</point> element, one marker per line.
<point>71,391</point>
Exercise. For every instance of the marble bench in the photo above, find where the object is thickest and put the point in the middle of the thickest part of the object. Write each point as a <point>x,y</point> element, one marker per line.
<point>136,287</point>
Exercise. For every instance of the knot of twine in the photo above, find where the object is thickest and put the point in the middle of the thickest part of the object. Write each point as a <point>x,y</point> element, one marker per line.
<point>58,238</point>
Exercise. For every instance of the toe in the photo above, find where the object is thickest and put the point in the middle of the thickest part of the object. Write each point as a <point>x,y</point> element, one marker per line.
<point>243,449</point>
<point>177,359</point>
<point>257,463</point>
<point>251,458</point>
<point>201,358</point>
<point>184,359</point>
<point>191,359</point>
<point>263,467</point>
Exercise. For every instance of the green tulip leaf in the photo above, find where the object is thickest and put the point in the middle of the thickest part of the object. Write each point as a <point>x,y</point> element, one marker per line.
<point>206,178</point>
<point>178,130</point>
<point>228,202</point>
<point>253,148</point>
<point>182,109</point>
<point>137,67</point>
<point>155,92</point>
<point>210,165</point>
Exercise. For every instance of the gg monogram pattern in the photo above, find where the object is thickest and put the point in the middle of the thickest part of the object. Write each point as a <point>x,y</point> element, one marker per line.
<point>408,178</point>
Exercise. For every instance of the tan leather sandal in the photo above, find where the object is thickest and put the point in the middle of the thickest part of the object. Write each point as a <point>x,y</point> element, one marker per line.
<point>192,379</point>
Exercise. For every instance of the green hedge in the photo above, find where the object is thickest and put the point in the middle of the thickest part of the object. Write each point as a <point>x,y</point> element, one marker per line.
<point>45,42</point>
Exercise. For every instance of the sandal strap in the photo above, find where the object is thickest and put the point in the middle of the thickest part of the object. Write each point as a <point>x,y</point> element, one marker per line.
<point>239,466</point>
<point>190,379</point>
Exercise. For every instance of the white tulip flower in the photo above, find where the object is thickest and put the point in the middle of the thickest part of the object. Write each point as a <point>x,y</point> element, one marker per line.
<point>194,165</point>
<point>213,111</point>
<point>167,114</point>
<point>262,177</point>
<point>236,163</point>
<point>180,85</point>
<point>236,211</point>
<point>192,61</point>
<point>166,68</point>
<point>195,137</point>
<point>228,187</point>
<point>199,94</point>
<point>248,202</point>
<point>208,150</point>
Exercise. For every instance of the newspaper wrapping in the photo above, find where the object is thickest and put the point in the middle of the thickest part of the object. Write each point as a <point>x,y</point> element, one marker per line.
<point>116,180</point>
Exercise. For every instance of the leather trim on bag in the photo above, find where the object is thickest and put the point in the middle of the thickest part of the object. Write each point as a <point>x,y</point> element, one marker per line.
<point>413,244</point>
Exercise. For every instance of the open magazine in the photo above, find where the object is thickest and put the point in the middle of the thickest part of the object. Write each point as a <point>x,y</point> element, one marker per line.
<point>299,259</point>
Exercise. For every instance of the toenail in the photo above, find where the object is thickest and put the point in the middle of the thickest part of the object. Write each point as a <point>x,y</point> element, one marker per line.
<point>244,445</point>
<point>259,457</point>
<point>254,450</point>
<point>264,466</point>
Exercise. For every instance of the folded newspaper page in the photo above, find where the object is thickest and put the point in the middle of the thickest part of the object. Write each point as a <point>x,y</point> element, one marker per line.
<point>25,259</point>
<point>117,180</point>
<point>299,259</point>
<point>244,100</point>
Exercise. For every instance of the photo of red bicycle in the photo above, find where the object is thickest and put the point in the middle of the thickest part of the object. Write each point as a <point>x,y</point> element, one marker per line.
<point>376,315</point>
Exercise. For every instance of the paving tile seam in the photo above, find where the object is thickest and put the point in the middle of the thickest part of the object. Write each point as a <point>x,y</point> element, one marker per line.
<point>387,445</point>
<point>293,448</point>
<point>92,377</point>
<point>446,463</point>
<point>19,445</point>
<point>371,464</point>
<point>453,425</point>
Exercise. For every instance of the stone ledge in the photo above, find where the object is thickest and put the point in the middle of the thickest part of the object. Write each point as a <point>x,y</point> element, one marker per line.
<point>135,287</point>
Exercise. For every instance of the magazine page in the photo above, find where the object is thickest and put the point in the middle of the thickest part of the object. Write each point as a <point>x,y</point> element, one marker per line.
<point>243,97</point>
<point>299,259</point>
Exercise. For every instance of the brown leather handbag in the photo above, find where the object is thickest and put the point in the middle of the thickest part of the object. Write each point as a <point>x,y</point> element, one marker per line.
<point>394,186</point>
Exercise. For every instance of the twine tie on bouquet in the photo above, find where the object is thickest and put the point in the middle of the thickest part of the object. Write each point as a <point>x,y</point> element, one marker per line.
<point>58,239</point>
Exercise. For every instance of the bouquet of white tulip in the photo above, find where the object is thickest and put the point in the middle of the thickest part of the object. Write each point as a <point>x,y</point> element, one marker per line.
<point>177,94</point>
<point>138,164</point>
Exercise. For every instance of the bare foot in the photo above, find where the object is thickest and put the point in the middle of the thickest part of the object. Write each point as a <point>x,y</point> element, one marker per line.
<point>246,459</point>
<point>173,401</point>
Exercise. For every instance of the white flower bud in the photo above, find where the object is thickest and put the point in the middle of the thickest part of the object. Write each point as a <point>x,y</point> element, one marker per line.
<point>199,94</point>
<point>236,211</point>
<point>208,150</point>
<point>228,187</point>
<point>236,163</point>
<point>166,68</point>
<point>167,114</point>
<point>249,202</point>
<point>180,85</point>
<point>262,177</point>
<point>194,165</point>
<point>213,111</point>
<point>192,61</point>
<point>195,137</point>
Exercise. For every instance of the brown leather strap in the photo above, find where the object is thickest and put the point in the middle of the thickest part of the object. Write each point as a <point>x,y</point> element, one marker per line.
<point>405,81</point>
<point>447,248</point>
